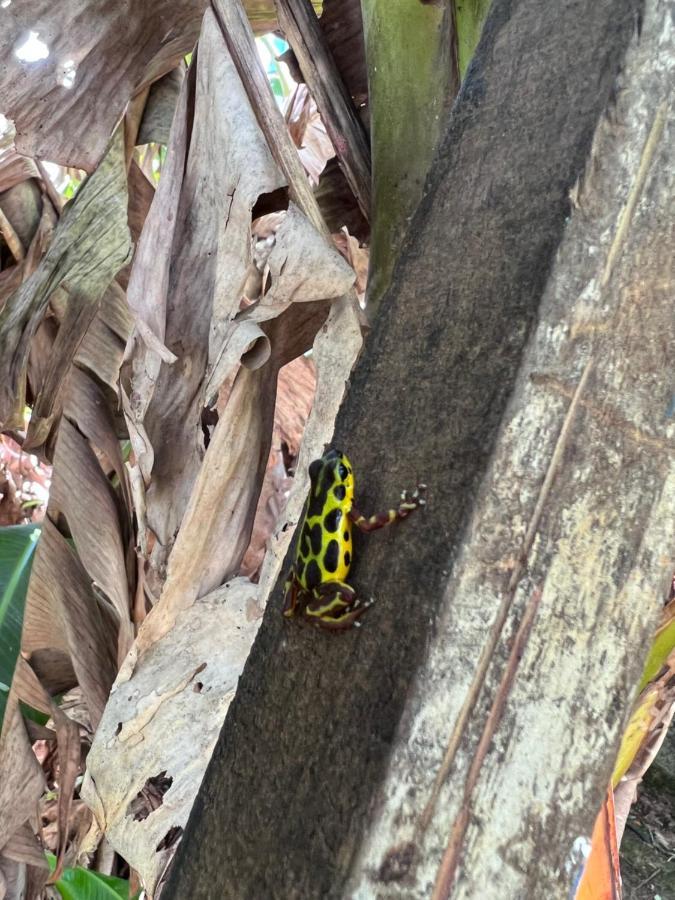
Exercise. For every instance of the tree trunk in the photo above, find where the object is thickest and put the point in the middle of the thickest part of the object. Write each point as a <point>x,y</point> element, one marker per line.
<point>459,743</point>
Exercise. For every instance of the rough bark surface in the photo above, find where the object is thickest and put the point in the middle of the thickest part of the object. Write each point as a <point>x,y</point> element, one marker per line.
<point>512,728</point>
<point>307,739</point>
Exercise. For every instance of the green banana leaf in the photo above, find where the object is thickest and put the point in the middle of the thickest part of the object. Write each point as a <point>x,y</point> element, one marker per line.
<point>17,545</point>
<point>86,884</point>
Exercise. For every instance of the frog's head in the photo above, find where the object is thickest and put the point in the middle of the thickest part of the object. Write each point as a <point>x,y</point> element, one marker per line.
<point>332,472</point>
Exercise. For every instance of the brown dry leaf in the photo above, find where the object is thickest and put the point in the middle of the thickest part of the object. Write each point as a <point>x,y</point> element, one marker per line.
<point>338,204</point>
<point>68,749</point>
<point>88,629</point>
<point>141,195</point>
<point>89,246</point>
<point>24,847</point>
<point>87,406</point>
<point>21,207</point>
<point>29,216</point>
<point>82,493</point>
<point>22,778</point>
<point>92,71</point>
<point>102,70</point>
<point>102,348</point>
<point>13,879</point>
<point>148,726</point>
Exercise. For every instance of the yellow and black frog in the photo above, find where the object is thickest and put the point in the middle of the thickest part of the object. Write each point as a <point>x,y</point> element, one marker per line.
<point>316,584</point>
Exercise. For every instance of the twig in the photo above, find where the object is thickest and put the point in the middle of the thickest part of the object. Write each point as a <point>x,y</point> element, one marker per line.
<point>654,873</point>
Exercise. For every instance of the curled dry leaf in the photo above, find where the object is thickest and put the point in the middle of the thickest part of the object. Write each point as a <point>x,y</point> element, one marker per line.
<point>70,633</point>
<point>15,168</point>
<point>28,215</point>
<point>188,677</point>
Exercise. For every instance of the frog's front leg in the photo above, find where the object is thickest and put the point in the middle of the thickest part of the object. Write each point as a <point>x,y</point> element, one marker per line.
<point>335,606</point>
<point>409,503</point>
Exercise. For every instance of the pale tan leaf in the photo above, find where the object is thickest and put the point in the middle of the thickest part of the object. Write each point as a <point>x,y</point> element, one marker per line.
<point>148,726</point>
<point>101,352</point>
<point>216,528</point>
<point>48,405</point>
<point>358,258</point>
<point>141,195</point>
<point>13,879</point>
<point>89,246</point>
<point>27,688</point>
<point>115,312</point>
<point>308,132</point>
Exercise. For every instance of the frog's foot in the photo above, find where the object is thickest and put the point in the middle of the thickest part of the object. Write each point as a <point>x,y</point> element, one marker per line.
<point>411,501</point>
<point>335,606</point>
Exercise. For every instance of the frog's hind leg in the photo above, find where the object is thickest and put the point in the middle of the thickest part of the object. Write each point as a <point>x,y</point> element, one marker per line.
<point>335,606</point>
<point>291,589</point>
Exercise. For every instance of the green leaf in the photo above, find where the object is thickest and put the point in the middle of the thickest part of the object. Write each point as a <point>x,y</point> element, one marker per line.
<point>86,884</point>
<point>17,545</point>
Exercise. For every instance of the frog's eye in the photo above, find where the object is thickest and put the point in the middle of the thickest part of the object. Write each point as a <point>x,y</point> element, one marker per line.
<point>314,469</point>
<point>343,471</point>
